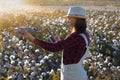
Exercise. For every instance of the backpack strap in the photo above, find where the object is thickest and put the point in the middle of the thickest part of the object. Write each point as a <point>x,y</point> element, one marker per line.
<point>87,53</point>
<point>86,41</point>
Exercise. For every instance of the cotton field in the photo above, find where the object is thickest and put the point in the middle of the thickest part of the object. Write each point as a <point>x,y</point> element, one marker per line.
<point>20,59</point>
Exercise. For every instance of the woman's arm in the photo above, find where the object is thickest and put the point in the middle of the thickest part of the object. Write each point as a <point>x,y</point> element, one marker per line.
<point>70,41</point>
<point>53,47</point>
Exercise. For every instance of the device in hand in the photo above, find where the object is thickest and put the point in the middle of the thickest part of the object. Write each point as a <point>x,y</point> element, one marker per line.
<point>53,39</point>
<point>20,30</point>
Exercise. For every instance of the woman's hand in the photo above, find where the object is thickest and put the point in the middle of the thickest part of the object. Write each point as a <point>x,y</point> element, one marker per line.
<point>28,36</point>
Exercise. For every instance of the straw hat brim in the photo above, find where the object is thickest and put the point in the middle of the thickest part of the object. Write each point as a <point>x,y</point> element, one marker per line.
<point>66,16</point>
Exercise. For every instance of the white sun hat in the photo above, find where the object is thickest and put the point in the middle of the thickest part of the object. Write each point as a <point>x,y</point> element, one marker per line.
<point>76,11</point>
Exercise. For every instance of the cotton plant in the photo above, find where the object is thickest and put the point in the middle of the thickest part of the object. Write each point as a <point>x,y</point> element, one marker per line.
<point>105,32</point>
<point>23,57</point>
<point>20,49</point>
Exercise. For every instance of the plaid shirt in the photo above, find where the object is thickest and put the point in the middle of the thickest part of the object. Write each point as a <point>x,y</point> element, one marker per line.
<point>73,47</point>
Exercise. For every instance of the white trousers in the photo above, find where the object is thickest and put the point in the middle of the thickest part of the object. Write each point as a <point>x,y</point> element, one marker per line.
<point>75,71</point>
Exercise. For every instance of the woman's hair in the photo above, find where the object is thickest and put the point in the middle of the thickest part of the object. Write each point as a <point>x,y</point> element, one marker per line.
<point>80,25</point>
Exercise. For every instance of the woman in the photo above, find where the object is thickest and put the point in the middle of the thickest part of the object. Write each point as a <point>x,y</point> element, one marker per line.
<point>74,46</point>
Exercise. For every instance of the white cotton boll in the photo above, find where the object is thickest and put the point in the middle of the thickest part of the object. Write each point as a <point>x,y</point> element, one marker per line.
<point>107,59</point>
<point>113,68</point>
<point>26,50</point>
<point>17,44</point>
<point>37,64</point>
<point>4,39</point>
<point>98,63</point>
<point>115,41</point>
<point>43,74</point>
<point>96,23</point>
<point>32,68</point>
<point>64,28</point>
<point>48,72</point>
<point>12,62</point>
<point>10,77</point>
<point>29,64</point>
<point>100,55</point>
<point>58,69</point>
<point>30,47</point>
<point>33,61</point>
<point>12,57</point>
<point>21,42</point>
<point>26,62</point>
<point>119,34</point>
<point>91,67</point>
<point>118,67</point>
<point>10,40</point>
<point>9,46</point>
<point>37,50</point>
<point>111,32</point>
<point>47,22</point>
<point>44,24</point>
<point>62,21</point>
<point>105,13</point>
<point>50,55</point>
<point>38,77</point>
<point>101,71</point>
<point>56,60</point>
<point>39,69</point>
<point>19,64</point>
<point>6,57</point>
<point>24,47</point>
<point>91,78</point>
<point>95,63</point>
<point>28,69</point>
<point>85,62</point>
<point>41,78</point>
<point>26,57</point>
<point>42,61</point>
<point>104,69</point>
<point>54,23</point>
<point>46,57</point>
<point>15,39</point>
<point>7,65</point>
<point>25,75</point>
<point>109,64</point>
<point>89,60</point>
<point>52,71</point>
<point>101,64</point>
<point>0,55</point>
<point>36,17</point>
<point>33,74</point>
<point>106,26</point>
<point>104,39</point>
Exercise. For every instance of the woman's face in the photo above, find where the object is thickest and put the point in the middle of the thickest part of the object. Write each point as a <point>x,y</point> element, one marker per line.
<point>71,21</point>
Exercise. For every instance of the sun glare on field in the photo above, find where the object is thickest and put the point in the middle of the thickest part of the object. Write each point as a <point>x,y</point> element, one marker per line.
<point>4,3</point>
<point>11,5</point>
